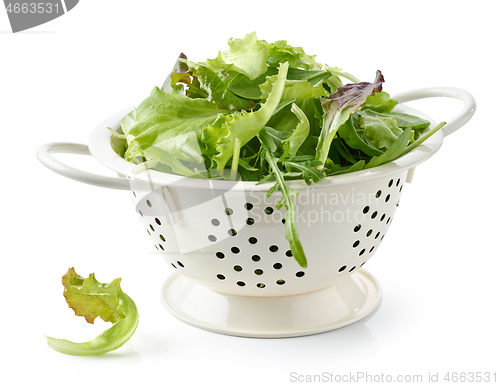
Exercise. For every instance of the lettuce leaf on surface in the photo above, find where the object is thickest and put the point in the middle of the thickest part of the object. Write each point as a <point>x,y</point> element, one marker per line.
<point>91,299</point>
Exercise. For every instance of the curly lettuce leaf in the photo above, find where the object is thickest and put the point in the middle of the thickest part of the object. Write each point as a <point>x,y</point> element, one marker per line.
<point>247,55</point>
<point>164,116</point>
<point>91,299</point>
<point>339,106</point>
<point>280,52</point>
<point>220,136</point>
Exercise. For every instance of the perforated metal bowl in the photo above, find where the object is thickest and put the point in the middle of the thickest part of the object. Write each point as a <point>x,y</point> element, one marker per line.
<point>234,270</point>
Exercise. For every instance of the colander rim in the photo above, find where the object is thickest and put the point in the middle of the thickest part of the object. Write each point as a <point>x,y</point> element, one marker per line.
<point>100,148</point>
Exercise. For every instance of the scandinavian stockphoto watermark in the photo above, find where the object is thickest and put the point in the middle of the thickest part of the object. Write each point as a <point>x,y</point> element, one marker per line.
<point>24,15</point>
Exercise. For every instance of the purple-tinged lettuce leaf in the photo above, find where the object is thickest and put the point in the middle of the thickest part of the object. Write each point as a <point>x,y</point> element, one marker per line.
<point>339,106</point>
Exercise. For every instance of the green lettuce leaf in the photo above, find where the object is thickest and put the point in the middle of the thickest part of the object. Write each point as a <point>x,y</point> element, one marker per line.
<point>353,135</point>
<point>382,132</point>
<point>91,299</point>
<point>380,102</point>
<point>220,136</point>
<point>403,120</point>
<point>164,116</point>
<point>301,132</point>
<point>247,55</point>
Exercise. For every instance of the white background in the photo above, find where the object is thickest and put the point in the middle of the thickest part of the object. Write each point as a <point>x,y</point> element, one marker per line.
<point>438,265</point>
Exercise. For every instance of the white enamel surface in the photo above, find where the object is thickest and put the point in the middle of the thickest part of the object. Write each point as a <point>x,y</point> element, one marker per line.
<point>344,303</point>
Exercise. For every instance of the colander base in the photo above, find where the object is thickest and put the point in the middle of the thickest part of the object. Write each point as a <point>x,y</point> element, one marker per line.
<point>344,303</point>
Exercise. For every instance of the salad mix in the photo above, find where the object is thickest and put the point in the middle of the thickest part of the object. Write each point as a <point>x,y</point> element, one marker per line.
<point>267,112</point>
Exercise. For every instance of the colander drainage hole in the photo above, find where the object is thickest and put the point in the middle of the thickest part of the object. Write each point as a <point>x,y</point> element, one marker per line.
<point>388,220</point>
<point>356,243</point>
<point>280,282</point>
<point>352,269</point>
<point>398,181</point>
<point>366,209</point>
<point>252,240</point>
<point>288,253</point>
<point>260,285</point>
<point>256,258</point>
<point>300,274</point>
<point>363,263</point>
<point>377,235</point>
<point>387,198</point>
<point>357,228</point>
<point>157,220</point>
<point>273,248</point>
<point>212,238</point>
<point>235,250</point>
<point>268,210</point>
<point>178,262</point>
<point>220,255</point>
<point>369,233</point>
<point>153,229</point>
<point>248,206</point>
<point>232,232</point>
<point>163,238</point>
<point>371,249</point>
<point>362,251</point>
<point>149,203</point>
<point>250,221</point>
<point>161,247</point>
<point>379,193</point>
<point>241,283</point>
<point>390,183</point>
<point>149,233</point>
<point>342,268</point>
<point>221,276</point>
<point>229,211</point>
<point>141,214</point>
<point>283,221</point>
<point>374,214</point>
<point>238,268</point>
<point>258,272</point>
<point>277,265</point>
<point>382,218</point>
<point>173,265</point>
<point>215,222</point>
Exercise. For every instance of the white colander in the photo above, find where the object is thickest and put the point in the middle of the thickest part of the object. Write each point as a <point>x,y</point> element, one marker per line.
<point>234,270</point>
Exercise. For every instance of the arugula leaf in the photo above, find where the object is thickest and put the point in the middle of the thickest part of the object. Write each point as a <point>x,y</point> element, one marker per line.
<point>91,299</point>
<point>339,106</point>
<point>394,151</point>
<point>291,232</point>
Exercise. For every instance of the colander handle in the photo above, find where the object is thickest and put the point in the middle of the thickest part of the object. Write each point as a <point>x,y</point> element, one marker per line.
<point>44,154</point>
<point>450,92</point>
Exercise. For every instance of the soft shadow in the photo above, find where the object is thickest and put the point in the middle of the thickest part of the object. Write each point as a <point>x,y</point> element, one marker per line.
<point>28,32</point>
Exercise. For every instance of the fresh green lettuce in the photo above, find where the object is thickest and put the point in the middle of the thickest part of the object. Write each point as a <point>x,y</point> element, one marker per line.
<point>270,113</point>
